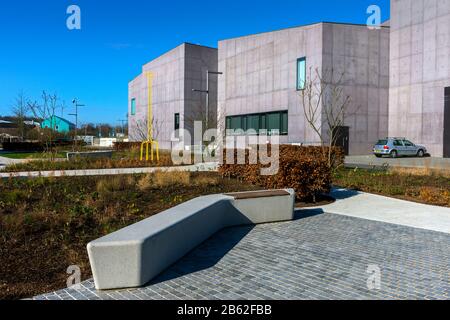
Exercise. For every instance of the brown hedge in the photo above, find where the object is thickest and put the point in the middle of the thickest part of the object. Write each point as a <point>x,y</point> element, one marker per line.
<point>126,146</point>
<point>304,169</point>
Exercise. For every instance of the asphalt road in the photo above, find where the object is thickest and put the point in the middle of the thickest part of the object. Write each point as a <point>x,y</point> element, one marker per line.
<point>372,161</point>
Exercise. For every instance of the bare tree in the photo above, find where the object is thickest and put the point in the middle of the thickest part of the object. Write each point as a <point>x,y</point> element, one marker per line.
<point>46,111</point>
<point>141,129</point>
<point>20,111</point>
<point>325,106</point>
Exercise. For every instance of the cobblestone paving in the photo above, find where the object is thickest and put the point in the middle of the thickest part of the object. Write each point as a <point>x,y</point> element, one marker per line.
<point>318,256</point>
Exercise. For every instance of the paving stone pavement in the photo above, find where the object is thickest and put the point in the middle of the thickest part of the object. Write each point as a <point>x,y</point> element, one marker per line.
<point>317,256</point>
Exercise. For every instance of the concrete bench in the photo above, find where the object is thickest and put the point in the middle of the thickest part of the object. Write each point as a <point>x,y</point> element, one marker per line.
<point>90,155</point>
<point>134,255</point>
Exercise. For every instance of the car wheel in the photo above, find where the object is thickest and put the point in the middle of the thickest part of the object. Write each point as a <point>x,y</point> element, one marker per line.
<point>394,154</point>
<point>420,154</point>
<point>378,155</point>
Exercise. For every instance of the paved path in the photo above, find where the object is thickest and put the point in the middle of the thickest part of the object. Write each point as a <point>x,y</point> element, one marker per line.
<point>7,161</point>
<point>371,161</point>
<point>106,172</point>
<point>317,256</point>
<point>389,210</point>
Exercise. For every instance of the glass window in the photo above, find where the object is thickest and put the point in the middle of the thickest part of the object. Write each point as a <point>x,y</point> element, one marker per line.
<point>236,123</point>
<point>284,123</point>
<point>133,107</point>
<point>177,121</point>
<point>408,143</point>
<point>228,124</point>
<point>301,73</point>
<point>263,123</point>
<point>253,122</point>
<point>397,143</point>
<point>273,122</point>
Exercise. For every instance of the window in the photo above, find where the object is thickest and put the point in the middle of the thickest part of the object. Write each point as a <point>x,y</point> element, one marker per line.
<point>177,125</point>
<point>397,143</point>
<point>133,107</point>
<point>301,73</point>
<point>408,143</point>
<point>273,122</point>
<point>177,121</point>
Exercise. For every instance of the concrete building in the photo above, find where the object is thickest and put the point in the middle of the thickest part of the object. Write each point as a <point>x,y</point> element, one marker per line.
<point>398,77</point>
<point>175,105</point>
<point>263,75</point>
<point>419,97</point>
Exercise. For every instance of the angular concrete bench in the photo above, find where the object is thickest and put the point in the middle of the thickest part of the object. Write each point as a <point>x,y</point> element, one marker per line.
<point>90,155</point>
<point>134,255</point>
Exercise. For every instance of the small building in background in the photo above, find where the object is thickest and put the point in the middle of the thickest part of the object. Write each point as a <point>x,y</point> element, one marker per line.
<point>58,124</point>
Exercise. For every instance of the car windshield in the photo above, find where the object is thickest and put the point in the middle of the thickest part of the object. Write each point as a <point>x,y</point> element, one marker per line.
<point>382,143</point>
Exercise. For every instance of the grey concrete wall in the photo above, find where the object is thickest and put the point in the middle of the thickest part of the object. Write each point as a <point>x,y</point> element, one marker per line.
<point>260,76</point>
<point>362,56</point>
<point>419,70</point>
<point>200,60</point>
<point>175,72</point>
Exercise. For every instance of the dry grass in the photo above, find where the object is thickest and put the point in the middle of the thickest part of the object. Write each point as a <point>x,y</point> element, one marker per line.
<point>420,185</point>
<point>421,171</point>
<point>45,223</point>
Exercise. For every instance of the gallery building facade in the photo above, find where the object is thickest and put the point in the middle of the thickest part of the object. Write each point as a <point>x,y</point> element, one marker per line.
<point>397,76</point>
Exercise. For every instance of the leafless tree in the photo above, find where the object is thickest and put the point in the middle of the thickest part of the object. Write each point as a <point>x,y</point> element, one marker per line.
<point>46,110</point>
<point>141,129</point>
<point>20,111</point>
<point>325,106</point>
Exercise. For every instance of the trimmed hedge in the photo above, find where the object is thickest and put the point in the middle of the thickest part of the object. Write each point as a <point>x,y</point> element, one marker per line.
<point>304,169</point>
<point>34,146</point>
<point>23,146</point>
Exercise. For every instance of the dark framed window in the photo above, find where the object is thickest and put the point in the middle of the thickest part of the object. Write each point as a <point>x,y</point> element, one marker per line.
<point>133,106</point>
<point>177,122</point>
<point>301,73</point>
<point>273,122</point>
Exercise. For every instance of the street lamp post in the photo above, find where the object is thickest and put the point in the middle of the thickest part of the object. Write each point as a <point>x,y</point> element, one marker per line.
<point>76,105</point>
<point>207,93</point>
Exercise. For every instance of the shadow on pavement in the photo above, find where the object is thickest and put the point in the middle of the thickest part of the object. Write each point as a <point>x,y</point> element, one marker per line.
<point>205,256</point>
<point>340,194</point>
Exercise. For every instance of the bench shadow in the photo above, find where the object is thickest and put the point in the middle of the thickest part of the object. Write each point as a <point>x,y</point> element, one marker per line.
<point>340,193</point>
<point>206,255</point>
<point>307,213</point>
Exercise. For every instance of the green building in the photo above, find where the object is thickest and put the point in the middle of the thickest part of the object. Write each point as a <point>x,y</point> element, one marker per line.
<point>58,124</point>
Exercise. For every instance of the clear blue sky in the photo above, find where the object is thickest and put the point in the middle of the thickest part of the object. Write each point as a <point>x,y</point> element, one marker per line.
<point>95,64</point>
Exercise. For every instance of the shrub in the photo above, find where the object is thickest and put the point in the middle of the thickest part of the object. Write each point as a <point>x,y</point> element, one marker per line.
<point>23,146</point>
<point>126,146</point>
<point>304,169</point>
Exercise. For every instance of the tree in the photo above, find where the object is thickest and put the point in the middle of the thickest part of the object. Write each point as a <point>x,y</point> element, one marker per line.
<point>325,106</point>
<point>46,110</point>
<point>20,111</point>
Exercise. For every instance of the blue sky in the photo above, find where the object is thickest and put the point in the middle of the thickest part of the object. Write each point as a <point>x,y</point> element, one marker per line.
<point>95,64</point>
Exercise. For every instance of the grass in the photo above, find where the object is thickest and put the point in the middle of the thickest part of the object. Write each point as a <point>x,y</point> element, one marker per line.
<point>418,185</point>
<point>31,155</point>
<point>45,223</point>
<point>120,160</point>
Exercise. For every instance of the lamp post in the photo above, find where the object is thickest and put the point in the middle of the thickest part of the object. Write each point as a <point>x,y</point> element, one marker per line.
<point>76,105</point>
<point>207,94</point>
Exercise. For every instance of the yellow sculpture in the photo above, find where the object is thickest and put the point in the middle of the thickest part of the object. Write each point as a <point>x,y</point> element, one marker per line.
<point>151,144</point>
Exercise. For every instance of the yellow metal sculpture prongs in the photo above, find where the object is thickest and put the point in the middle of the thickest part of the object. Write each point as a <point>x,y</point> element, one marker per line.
<point>151,144</point>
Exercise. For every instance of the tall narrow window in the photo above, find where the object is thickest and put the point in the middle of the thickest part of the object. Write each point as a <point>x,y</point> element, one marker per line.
<point>133,107</point>
<point>301,73</point>
<point>177,125</point>
<point>177,121</point>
